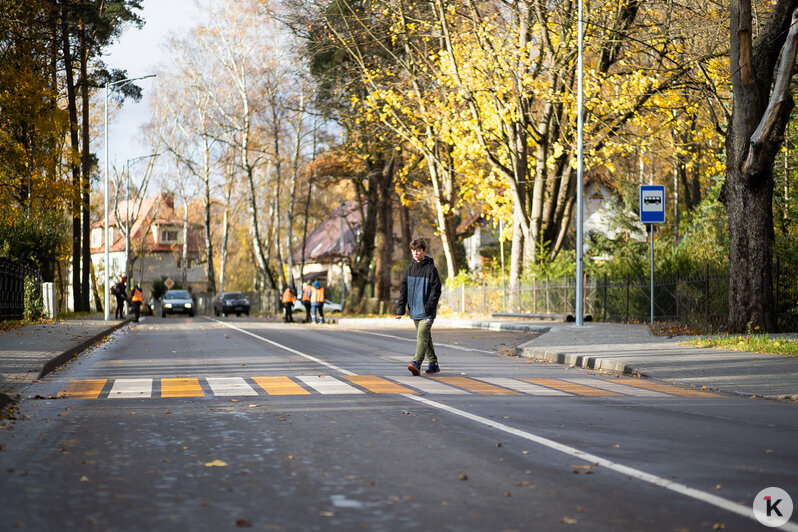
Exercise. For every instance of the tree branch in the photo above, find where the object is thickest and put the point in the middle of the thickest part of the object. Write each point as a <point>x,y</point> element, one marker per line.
<point>780,98</point>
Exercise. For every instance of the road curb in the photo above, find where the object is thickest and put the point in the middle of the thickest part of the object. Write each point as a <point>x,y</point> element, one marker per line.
<point>67,355</point>
<point>595,362</point>
<point>360,323</point>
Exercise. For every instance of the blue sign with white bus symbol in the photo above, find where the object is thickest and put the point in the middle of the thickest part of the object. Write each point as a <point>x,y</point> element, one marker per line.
<point>652,204</point>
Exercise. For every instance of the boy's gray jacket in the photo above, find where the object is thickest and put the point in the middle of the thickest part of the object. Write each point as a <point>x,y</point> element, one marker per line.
<point>421,289</point>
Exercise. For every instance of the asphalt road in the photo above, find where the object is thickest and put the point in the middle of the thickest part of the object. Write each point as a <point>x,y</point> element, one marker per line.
<point>205,424</point>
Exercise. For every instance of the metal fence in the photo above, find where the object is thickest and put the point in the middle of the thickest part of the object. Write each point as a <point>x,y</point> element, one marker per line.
<point>12,288</point>
<point>697,299</point>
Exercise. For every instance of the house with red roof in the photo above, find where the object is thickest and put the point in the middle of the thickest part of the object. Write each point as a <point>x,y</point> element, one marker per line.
<point>157,234</point>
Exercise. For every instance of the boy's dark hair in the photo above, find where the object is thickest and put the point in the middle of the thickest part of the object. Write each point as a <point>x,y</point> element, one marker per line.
<point>418,243</point>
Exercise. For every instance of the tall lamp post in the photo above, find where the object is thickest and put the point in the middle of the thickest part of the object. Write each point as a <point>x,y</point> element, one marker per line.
<point>579,182</point>
<point>107,298</point>
<point>127,210</point>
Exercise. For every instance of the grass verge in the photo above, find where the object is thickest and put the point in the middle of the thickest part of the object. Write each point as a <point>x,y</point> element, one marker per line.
<point>754,343</point>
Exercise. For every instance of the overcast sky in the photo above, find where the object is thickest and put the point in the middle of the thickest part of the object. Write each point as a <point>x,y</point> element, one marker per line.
<point>138,52</point>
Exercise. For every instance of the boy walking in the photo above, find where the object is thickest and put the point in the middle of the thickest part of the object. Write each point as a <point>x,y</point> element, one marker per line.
<point>421,289</point>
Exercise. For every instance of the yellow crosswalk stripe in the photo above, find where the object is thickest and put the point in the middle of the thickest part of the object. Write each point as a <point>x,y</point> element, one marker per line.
<point>280,386</point>
<point>571,387</point>
<point>378,385</point>
<point>283,385</point>
<point>83,389</point>
<point>471,385</point>
<point>671,389</point>
<point>181,388</point>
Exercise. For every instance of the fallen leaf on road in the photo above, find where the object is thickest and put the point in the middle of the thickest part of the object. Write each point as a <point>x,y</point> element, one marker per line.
<point>569,520</point>
<point>243,522</point>
<point>326,514</point>
<point>718,526</point>
<point>463,476</point>
<point>84,478</point>
<point>216,463</point>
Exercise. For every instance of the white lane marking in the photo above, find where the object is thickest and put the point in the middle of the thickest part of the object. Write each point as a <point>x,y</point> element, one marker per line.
<point>709,498</point>
<point>327,385</point>
<point>676,487</point>
<point>230,386</point>
<point>524,387</point>
<point>617,388</point>
<point>428,385</point>
<point>281,346</point>
<point>451,346</point>
<point>126,388</point>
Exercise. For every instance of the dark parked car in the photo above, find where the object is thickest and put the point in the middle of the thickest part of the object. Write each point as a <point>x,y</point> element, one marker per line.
<point>177,302</point>
<point>231,302</point>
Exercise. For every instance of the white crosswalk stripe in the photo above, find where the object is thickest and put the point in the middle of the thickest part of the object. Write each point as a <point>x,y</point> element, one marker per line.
<point>428,385</point>
<point>617,388</point>
<point>327,385</point>
<point>230,386</point>
<point>126,388</point>
<point>524,387</point>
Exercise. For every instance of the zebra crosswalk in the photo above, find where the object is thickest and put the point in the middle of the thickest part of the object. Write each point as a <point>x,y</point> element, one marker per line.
<point>297,385</point>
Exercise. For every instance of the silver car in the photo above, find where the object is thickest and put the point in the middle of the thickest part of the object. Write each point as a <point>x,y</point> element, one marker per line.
<point>177,302</point>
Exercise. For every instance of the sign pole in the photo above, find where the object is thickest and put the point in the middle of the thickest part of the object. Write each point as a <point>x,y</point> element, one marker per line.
<point>651,272</point>
<point>652,211</point>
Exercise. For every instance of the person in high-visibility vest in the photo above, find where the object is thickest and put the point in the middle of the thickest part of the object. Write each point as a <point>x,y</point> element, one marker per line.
<point>288,304</point>
<point>317,302</point>
<point>306,290</point>
<point>136,299</point>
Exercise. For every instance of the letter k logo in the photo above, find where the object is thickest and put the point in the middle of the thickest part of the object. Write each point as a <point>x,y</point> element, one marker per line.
<point>772,506</point>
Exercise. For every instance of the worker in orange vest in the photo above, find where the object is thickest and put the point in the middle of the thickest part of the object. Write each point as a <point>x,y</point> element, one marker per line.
<point>317,302</point>
<point>306,290</point>
<point>288,304</point>
<point>136,299</point>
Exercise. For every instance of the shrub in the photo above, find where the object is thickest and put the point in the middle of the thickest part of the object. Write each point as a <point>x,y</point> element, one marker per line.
<point>34,304</point>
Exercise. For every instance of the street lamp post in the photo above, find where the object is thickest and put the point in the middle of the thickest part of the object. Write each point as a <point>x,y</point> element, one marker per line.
<point>579,182</point>
<point>107,298</point>
<point>127,212</point>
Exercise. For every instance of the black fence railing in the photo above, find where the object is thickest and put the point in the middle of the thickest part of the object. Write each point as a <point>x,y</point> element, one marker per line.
<point>12,288</point>
<point>698,299</point>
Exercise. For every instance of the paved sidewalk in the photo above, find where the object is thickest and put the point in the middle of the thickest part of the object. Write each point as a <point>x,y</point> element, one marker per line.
<point>632,349</point>
<point>29,353</point>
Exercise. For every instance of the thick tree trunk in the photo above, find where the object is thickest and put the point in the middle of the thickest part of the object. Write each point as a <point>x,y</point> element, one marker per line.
<point>383,237</point>
<point>442,208</point>
<point>85,184</point>
<point>406,232</point>
<point>755,134</point>
<point>206,170</point>
<point>74,158</point>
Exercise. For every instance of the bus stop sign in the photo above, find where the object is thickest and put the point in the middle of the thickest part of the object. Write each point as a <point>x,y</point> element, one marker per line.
<point>652,204</point>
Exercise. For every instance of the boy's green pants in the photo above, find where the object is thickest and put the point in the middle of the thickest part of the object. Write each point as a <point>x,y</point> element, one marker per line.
<point>424,345</point>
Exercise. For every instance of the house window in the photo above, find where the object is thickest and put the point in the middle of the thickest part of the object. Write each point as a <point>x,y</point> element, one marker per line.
<point>168,236</point>
<point>97,237</point>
